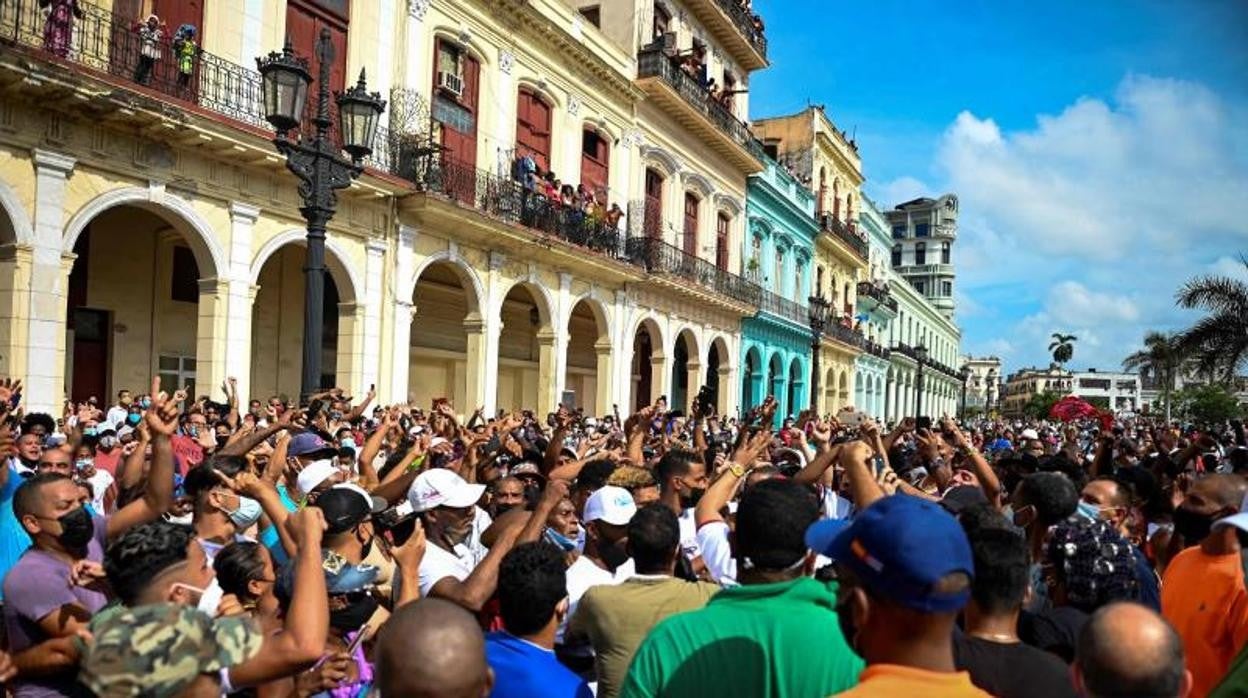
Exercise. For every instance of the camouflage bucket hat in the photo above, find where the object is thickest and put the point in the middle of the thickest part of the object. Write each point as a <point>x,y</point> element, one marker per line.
<point>159,649</point>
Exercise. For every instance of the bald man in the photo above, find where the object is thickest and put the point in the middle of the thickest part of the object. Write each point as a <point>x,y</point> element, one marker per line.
<point>1203,594</point>
<point>1126,649</point>
<point>432,649</point>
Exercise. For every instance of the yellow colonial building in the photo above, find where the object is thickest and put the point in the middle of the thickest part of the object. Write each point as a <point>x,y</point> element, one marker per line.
<point>148,224</point>
<point>823,158</point>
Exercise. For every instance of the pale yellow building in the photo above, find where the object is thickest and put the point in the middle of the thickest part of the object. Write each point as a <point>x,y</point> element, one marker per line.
<point>822,157</point>
<point>149,225</point>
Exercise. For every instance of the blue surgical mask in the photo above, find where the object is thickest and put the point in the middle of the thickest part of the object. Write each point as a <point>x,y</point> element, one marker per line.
<point>347,443</point>
<point>560,540</point>
<point>134,419</point>
<point>90,509</point>
<point>247,513</point>
<point>1087,510</point>
<point>88,431</point>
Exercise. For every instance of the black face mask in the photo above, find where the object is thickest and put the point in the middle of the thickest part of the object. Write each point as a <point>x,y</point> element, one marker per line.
<point>691,500</point>
<point>1192,526</point>
<point>76,528</point>
<point>614,554</point>
<point>500,509</point>
<point>354,615</point>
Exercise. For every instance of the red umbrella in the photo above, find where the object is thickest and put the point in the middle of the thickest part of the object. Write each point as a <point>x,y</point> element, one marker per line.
<point>1071,408</point>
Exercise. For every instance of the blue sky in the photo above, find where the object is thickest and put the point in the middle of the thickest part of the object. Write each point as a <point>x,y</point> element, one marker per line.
<point>1099,149</point>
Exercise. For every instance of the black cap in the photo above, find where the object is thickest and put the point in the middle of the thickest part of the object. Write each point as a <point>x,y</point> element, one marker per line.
<point>344,508</point>
<point>963,497</point>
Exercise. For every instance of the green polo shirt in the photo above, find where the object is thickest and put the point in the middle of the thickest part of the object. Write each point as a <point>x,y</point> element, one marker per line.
<point>762,640</point>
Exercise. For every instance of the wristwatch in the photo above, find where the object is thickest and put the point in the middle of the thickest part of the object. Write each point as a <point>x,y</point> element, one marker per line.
<point>736,469</point>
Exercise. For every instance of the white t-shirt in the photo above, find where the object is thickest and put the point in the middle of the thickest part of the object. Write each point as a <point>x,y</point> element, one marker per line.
<point>100,482</point>
<point>117,416</point>
<point>438,564</point>
<point>835,506</point>
<point>689,535</point>
<point>717,553</point>
<point>583,574</point>
<point>480,521</point>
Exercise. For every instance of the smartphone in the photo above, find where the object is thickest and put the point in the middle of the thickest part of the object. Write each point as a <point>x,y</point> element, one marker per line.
<point>851,418</point>
<point>360,636</point>
<point>923,423</point>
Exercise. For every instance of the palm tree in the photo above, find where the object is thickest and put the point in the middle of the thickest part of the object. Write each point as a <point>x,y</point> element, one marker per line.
<point>1218,343</point>
<point>1063,348</point>
<point>1163,358</point>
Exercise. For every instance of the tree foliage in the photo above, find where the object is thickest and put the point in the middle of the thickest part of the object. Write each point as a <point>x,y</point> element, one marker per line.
<point>1041,403</point>
<point>1218,342</point>
<point>1063,347</point>
<point>1207,404</point>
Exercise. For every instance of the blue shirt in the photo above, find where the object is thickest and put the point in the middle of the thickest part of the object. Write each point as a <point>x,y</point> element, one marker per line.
<point>524,670</point>
<point>13,538</point>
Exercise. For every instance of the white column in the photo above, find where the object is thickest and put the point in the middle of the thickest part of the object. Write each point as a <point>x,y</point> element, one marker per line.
<point>418,70</point>
<point>370,351</point>
<point>44,382</point>
<point>240,297</point>
<point>563,336</point>
<point>402,312</point>
<point>492,326</point>
<point>622,343</point>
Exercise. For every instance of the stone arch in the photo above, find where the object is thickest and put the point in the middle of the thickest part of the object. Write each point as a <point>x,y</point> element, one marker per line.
<point>728,204</point>
<point>752,372</point>
<point>648,369</point>
<point>337,262</point>
<point>588,355</point>
<point>719,373</point>
<point>598,308</point>
<point>661,160</point>
<point>15,226</point>
<point>468,277</point>
<point>464,41</point>
<point>687,369</point>
<point>699,185</point>
<point>170,207</point>
<point>541,296</point>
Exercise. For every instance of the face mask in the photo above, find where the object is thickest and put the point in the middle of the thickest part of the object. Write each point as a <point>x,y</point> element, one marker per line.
<point>90,509</point>
<point>1087,510</point>
<point>247,513</point>
<point>209,598</point>
<point>108,442</point>
<point>354,615</point>
<point>560,540</point>
<point>1192,526</point>
<point>347,443</point>
<point>691,500</point>
<point>76,528</point>
<point>222,440</point>
<point>134,419</point>
<point>181,519</point>
<point>83,463</point>
<point>88,431</point>
<point>125,402</point>
<point>192,430</point>
<point>145,403</point>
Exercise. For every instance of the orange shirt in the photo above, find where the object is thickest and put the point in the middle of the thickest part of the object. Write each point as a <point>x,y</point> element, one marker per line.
<point>1204,598</point>
<point>893,680</point>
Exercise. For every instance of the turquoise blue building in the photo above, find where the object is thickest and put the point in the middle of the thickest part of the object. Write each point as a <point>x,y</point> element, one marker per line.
<point>778,256</point>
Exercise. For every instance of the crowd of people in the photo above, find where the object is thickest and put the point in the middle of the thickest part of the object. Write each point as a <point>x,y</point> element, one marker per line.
<point>579,212</point>
<point>173,545</point>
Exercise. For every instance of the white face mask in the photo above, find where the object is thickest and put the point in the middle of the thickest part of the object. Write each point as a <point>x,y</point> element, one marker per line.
<point>183,519</point>
<point>209,598</point>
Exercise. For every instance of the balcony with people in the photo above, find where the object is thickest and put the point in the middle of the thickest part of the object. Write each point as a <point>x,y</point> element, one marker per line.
<point>846,234</point>
<point>736,26</point>
<point>679,82</point>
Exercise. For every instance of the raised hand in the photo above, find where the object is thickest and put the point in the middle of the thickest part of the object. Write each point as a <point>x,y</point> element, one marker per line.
<point>8,388</point>
<point>162,416</point>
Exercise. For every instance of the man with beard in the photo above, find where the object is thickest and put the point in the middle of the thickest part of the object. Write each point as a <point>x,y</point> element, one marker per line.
<point>682,482</point>
<point>1203,594</point>
<point>455,567</point>
<point>604,561</point>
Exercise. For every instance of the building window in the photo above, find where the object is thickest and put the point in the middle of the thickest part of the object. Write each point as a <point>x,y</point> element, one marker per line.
<point>595,163</point>
<point>920,253</point>
<point>946,288</point>
<point>662,19</point>
<point>777,277</point>
<point>592,15</point>
<point>798,280</point>
<point>533,128</point>
<point>184,285</point>
<point>819,281</point>
<point>896,255</point>
<point>920,287</point>
<point>305,20</point>
<point>944,253</point>
<point>691,224</point>
<point>454,102</point>
<point>721,241</point>
<point>899,232</point>
<point>653,218</point>
<point>921,230</point>
<point>177,372</point>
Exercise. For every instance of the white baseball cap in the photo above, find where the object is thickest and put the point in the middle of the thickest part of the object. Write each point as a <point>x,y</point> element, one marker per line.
<point>1029,434</point>
<point>440,487</point>
<point>314,474</point>
<point>611,504</point>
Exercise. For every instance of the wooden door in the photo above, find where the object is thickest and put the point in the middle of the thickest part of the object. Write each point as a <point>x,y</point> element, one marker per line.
<point>595,163</point>
<point>175,13</point>
<point>92,329</point>
<point>721,242</point>
<point>459,138</point>
<point>690,242</point>
<point>533,129</point>
<point>304,22</point>
<point>654,205</point>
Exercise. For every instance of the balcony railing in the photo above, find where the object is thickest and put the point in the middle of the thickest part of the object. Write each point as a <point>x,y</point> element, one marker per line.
<point>108,44</point>
<point>877,294</point>
<point>657,257</point>
<point>844,334</point>
<point>652,62</point>
<point>745,24</point>
<point>876,349</point>
<point>838,229</point>
<point>507,200</point>
<point>783,307</point>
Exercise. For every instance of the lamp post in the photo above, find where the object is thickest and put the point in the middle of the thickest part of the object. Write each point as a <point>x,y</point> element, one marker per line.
<point>965,373</point>
<point>319,165</point>
<point>817,311</point>
<point>990,389</point>
<point>920,357</point>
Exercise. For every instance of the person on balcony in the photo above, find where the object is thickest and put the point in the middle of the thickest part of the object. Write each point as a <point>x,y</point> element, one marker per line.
<point>151,34</point>
<point>58,28</point>
<point>185,49</point>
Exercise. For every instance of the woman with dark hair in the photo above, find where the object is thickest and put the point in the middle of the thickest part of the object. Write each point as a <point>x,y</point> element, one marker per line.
<point>245,571</point>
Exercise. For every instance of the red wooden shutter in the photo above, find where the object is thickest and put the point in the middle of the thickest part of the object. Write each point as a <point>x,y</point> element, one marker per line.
<point>721,242</point>
<point>461,147</point>
<point>654,205</point>
<point>533,128</point>
<point>175,13</point>
<point>595,162</point>
<point>691,225</point>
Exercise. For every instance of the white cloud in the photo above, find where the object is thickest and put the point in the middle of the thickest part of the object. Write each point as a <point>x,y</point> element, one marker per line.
<point>1089,221</point>
<point>901,190</point>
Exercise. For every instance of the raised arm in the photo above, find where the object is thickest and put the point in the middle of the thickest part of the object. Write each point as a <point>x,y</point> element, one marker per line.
<point>476,590</point>
<point>987,477</point>
<point>162,420</point>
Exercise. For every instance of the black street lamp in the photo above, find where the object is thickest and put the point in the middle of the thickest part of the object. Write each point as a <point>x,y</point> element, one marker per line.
<point>319,165</point>
<point>920,357</point>
<point>965,373</point>
<point>817,310</point>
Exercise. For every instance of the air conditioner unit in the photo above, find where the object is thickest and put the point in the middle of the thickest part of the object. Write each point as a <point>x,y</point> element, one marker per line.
<point>670,41</point>
<point>451,83</point>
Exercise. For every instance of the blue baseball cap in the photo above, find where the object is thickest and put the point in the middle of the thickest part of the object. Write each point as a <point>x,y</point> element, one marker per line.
<point>901,547</point>
<point>309,444</point>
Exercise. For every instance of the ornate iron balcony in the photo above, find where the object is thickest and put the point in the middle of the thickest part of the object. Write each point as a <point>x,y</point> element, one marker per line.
<point>657,257</point>
<point>838,229</point>
<point>877,294</point>
<point>783,307</point>
<point>745,24</point>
